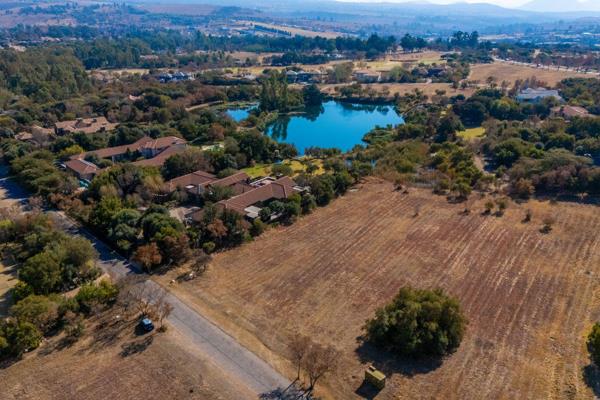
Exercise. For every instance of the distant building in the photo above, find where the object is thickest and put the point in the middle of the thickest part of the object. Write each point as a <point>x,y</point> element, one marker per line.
<point>367,76</point>
<point>84,125</point>
<point>531,95</point>
<point>175,77</point>
<point>304,76</point>
<point>154,151</point>
<point>570,112</point>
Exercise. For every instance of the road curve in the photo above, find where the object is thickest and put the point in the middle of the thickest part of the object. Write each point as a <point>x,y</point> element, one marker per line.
<point>217,346</point>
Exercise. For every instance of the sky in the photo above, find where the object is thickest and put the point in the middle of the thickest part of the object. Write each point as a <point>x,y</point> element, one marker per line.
<point>502,3</point>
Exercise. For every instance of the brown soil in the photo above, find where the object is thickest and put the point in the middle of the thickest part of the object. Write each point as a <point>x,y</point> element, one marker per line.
<point>114,363</point>
<point>530,297</point>
<point>510,73</point>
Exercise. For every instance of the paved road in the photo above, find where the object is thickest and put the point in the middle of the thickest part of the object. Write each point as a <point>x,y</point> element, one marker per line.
<point>217,346</point>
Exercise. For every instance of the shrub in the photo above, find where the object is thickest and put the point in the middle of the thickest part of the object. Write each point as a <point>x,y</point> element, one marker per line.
<point>418,323</point>
<point>593,343</point>
<point>41,311</point>
<point>91,295</point>
<point>20,291</point>
<point>17,337</point>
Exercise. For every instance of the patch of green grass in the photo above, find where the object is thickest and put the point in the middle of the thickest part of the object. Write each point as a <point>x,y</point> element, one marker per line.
<point>260,170</point>
<point>472,133</point>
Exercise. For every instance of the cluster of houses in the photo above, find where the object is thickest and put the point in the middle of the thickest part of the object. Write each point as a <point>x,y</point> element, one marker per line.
<point>248,196</point>
<point>151,152</point>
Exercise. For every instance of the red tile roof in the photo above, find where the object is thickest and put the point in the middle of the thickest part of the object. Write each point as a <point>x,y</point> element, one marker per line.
<point>86,125</point>
<point>195,178</point>
<point>279,189</point>
<point>81,167</point>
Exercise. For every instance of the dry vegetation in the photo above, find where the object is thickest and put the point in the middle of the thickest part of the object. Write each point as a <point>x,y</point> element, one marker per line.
<point>114,363</point>
<point>530,297</point>
<point>402,88</point>
<point>511,72</point>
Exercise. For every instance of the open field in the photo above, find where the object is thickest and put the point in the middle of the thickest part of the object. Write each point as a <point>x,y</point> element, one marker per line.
<point>152,366</point>
<point>530,298</point>
<point>295,31</point>
<point>402,88</point>
<point>511,72</point>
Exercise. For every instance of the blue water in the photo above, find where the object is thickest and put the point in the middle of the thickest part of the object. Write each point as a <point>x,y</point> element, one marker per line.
<point>239,114</point>
<point>339,125</point>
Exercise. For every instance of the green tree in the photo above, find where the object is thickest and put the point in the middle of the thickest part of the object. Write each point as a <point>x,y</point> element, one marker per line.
<point>593,342</point>
<point>40,311</point>
<point>42,272</point>
<point>418,323</point>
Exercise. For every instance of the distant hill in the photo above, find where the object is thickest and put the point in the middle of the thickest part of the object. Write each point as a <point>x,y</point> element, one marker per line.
<point>562,5</point>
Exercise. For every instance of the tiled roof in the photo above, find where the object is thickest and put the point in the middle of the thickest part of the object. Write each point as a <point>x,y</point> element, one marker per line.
<point>81,167</point>
<point>159,159</point>
<point>86,125</point>
<point>195,178</point>
<point>279,189</point>
<point>230,180</point>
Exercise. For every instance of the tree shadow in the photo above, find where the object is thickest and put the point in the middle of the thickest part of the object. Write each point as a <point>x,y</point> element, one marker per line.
<point>6,300</point>
<point>591,377</point>
<point>136,346</point>
<point>289,393</point>
<point>109,331</point>
<point>367,391</point>
<point>389,364</point>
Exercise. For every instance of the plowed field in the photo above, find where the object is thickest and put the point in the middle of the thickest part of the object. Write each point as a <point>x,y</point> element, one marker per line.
<point>530,297</point>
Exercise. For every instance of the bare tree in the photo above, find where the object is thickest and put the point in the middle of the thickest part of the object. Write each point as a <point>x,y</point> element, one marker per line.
<point>319,362</point>
<point>314,359</point>
<point>299,346</point>
<point>164,310</point>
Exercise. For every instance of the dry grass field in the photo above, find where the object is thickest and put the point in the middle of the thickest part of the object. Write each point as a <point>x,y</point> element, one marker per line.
<point>510,73</point>
<point>295,31</point>
<point>154,366</point>
<point>402,88</point>
<point>530,297</point>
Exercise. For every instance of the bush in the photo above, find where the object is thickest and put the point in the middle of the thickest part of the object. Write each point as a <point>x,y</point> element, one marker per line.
<point>418,323</point>
<point>41,311</point>
<point>92,295</point>
<point>18,337</point>
<point>593,343</point>
<point>20,291</point>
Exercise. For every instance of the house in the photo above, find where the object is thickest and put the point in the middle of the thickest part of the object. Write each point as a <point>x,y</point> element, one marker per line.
<point>191,182</point>
<point>155,151</point>
<point>200,182</point>
<point>251,201</point>
<point>531,95</point>
<point>570,112</point>
<point>367,76</point>
<point>82,169</point>
<point>84,125</point>
<point>175,77</point>
<point>24,136</point>
<point>146,146</point>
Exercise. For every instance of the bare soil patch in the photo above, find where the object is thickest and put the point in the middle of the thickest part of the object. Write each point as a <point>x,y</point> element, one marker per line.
<point>402,88</point>
<point>117,364</point>
<point>510,72</point>
<point>530,297</point>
